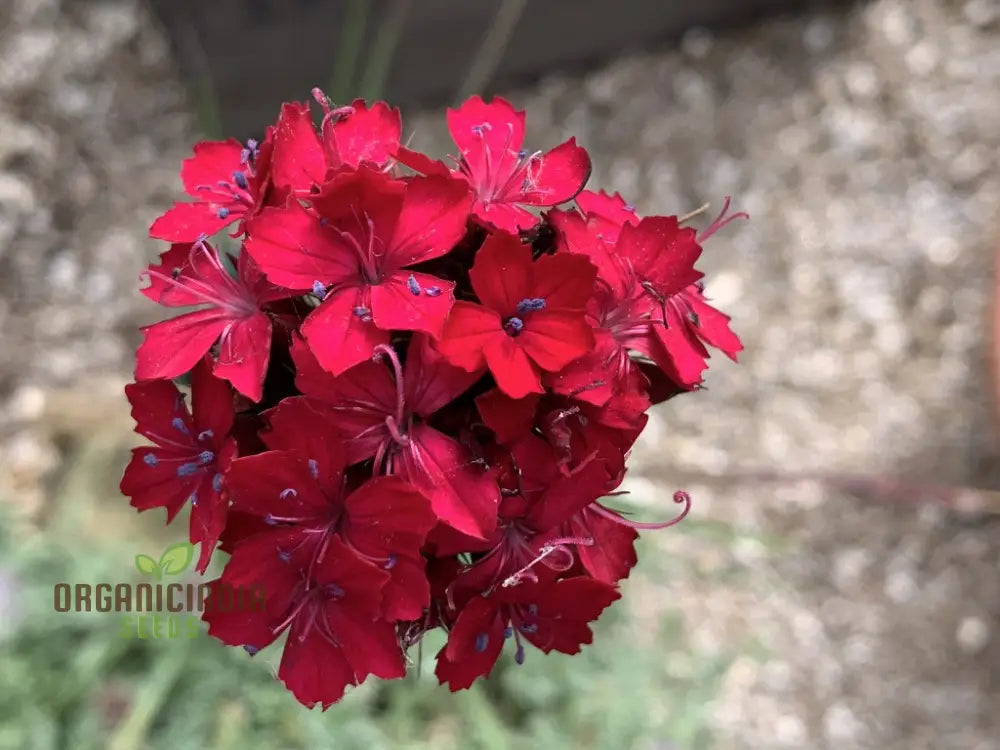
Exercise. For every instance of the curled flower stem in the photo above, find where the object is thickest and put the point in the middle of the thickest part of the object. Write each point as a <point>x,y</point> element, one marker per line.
<point>389,352</point>
<point>679,497</point>
<point>722,220</point>
<point>547,549</point>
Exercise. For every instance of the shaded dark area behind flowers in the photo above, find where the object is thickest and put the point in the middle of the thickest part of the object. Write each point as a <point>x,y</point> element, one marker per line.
<point>778,615</point>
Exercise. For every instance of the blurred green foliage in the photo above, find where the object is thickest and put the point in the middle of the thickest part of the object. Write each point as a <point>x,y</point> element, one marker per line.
<point>69,680</point>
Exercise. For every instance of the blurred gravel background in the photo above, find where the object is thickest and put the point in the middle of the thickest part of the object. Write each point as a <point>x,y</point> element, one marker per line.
<point>866,147</point>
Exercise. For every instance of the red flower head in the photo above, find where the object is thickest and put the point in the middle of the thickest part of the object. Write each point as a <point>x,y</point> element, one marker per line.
<point>503,177</point>
<point>331,606</point>
<point>229,182</point>
<point>190,455</point>
<point>551,616</point>
<point>300,482</point>
<point>649,296</point>
<point>233,319</point>
<point>383,413</point>
<point>348,136</point>
<point>354,249</point>
<point>409,462</point>
<point>532,316</point>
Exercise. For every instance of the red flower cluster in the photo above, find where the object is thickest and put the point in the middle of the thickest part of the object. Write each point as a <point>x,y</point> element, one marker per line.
<point>409,391</point>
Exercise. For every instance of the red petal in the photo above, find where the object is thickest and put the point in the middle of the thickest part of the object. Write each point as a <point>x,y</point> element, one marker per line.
<point>713,326</point>
<point>313,668</point>
<point>213,161</point>
<point>257,485</point>
<point>508,361</point>
<point>593,377</point>
<point>337,337</point>
<point>474,645</point>
<point>563,280</point>
<point>462,495</point>
<point>155,406</point>
<point>508,418</point>
<point>157,486</point>
<point>188,222</point>
<point>361,581</point>
<point>255,280</point>
<point>211,401</point>
<point>294,250</point>
<point>296,425</point>
<point>569,495</point>
<point>558,176</point>
<point>244,354</point>
<point>431,221</point>
<point>173,347</point>
<point>685,355</point>
<point>371,647</point>
<point>466,333</point>
<point>554,338</point>
<point>388,514</point>
<point>502,273</point>
<point>563,611</point>
<point>431,382</point>
<point>612,555</point>
<point>351,200</point>
<point>298,160</point>
<point>498,128</point>
<point>505,217</point>
<point>175,263</point>
<point>396,307</point>
<point>421,163</point>
<point>370,135</point>
<point>661,251</point>
<point>359,400</point>
<point>253,568</point>
<point>611,208</point>
<point>209,513</point>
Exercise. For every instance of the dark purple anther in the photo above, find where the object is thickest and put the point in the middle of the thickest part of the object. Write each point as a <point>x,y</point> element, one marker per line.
<point>531,304</point>
<point>333,590</point>
<point>241,180</point>
<point>413,285</point>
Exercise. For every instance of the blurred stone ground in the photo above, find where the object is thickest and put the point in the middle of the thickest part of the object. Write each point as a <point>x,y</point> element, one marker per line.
<point>865,145</point>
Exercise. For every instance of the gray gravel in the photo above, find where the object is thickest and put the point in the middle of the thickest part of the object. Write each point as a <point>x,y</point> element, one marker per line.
<point>94,125</point>
<point>865,145</point>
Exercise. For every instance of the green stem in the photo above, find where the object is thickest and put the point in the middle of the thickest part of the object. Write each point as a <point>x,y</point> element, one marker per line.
<point>383,50</point>
<point>349,41</point>
<point>491,50</point>
<point>133,729</point>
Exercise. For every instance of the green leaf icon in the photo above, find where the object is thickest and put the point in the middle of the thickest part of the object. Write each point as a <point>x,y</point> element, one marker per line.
<point>147,565</point>
<point>176,558</point>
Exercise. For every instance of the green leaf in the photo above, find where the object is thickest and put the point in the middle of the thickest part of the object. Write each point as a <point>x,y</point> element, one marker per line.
<point>147,565</point>
<point>176,558</point>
